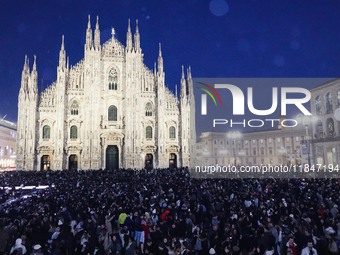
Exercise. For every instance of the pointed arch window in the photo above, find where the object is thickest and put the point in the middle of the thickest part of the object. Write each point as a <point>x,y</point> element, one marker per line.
<point>113,79</point>
<point>112,113</point>
<point>330,127</point>
<point>329,107</point>
<point>338,98</point>
<point>46,132</point>
<point>73,132</point>
<point>172,132</point>
<point>148,132</point>
<point>148,109</point>
<point>74,108</point>
<point>318,105</point>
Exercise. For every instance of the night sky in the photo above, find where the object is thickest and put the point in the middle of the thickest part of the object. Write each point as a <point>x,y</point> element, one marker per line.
<point>218,38</point>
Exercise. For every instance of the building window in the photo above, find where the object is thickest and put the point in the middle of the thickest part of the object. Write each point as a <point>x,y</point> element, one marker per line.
<point>298,151</point>
<point>330,127</point>
<point>262,151</point>
<point>113,79</point>
<point>148,132</point>
<point>172,133</point>
<point>148,109</point>
<point>319,130</point>
<point>112,113</point>
<point>74,132</point>
<point>318,105</point>
<point>329,107</point>
<point>46,132</point>
<point>270,151</point>
<point>74,108</point>
<point>289,150</point>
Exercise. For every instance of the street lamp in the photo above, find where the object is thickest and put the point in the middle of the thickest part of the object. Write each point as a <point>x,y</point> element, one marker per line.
<point>242,153</point>
<point>306,121</point>
<point>234,135</point>
<point>283,152</point>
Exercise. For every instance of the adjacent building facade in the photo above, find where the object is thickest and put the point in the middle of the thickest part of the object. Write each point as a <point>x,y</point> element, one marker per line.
<point>7,144</point>
<point>274,147</point>
<point>108,111</point>
<point>325,142</point>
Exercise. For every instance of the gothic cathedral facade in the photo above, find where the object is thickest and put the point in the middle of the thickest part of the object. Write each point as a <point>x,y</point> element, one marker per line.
<point>108,111</point>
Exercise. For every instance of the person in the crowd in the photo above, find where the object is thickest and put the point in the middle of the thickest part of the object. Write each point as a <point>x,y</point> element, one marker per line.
<point>291,247</point>
<point>18,247</point>
<point>3,237</point>
<point>37,250</point>
<point>309,249</point>
<point>130,247</point>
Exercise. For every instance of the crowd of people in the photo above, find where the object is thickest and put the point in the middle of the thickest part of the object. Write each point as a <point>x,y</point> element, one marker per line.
<point>164,211</point>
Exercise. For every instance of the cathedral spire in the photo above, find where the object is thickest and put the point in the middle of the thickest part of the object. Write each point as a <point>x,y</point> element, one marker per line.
<point>183,85</point>
<point>34,77</point>
<point>159,50</point>
<point>182,73</point>
<point>189,73</point>
<point>26,66</point>
<point>190,84</point>
<point>137,38</point>
<point>97,35</point>
<point>88,43</point>
<point>24,76</point>
<point>62,54</point>
<point>34,69</point>
<point>129,38</point>
<point>160,60</point>
<point>62,43</point>
<point>89,22</point>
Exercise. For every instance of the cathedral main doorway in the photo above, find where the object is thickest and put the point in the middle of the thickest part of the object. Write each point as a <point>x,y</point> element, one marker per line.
<point>112,157</point>
<point>45,162</point>
<point>173,161</point>
<point>73,162</point>
<point>148,161</point>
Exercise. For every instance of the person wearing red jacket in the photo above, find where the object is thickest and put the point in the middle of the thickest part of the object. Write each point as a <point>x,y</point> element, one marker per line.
<point>291,247</point>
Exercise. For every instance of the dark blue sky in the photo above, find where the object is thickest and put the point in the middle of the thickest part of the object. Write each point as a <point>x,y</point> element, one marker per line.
<point>233,38</point>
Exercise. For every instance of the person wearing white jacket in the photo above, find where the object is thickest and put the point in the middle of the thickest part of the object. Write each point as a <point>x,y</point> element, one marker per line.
<point>309,250</point>
<point>18,245</point>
